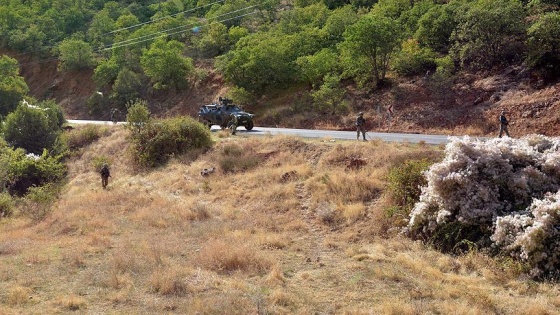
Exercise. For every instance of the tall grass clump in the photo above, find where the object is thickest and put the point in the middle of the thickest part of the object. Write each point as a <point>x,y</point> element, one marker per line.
<point>234,158</point>
<point>157,141</point>
<point>502,194</point>
<point>81,137</point>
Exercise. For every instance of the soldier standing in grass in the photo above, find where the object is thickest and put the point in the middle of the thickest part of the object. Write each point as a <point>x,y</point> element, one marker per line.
<point>503,124</point>
<point>233,123</point>
<point>105,174</point>
<point>361,125</point>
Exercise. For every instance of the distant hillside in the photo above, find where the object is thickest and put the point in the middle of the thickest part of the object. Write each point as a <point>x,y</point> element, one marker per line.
<point>469,105</point>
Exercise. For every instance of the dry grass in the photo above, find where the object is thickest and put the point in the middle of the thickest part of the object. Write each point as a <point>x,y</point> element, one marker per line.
<point>302,229</point>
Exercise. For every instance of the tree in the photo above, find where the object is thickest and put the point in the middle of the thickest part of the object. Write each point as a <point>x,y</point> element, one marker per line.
<point>435,27</point>
<point>413,59</point>
<point>12,87</point>
<point>75,54</point>
<point>544,42</point>
<point>260,60</point>
<point>336,24</point>
<point>213,42</point>
<point>30,128</point>
<point>489,33</point>
<point>165,65</point>
<point>127,86</point>
<point>99,29</point>
<point>330,96</point>
<point>368,46</point>
<point>138,114</point>
<point>313,68</point>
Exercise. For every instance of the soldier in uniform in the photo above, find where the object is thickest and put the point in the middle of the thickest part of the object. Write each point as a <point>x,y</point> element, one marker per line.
<point>233,123</point>
<point>114,115</point>
<point>361,125</point>
<point>503,124</point>
<point>105,174</point>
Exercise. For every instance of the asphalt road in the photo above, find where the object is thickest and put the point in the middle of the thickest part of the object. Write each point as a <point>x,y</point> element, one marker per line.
<point>310,133</point>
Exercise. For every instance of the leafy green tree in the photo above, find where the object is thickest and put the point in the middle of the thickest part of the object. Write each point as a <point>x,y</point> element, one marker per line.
<point>330,96</point>
<point>213,42</point>
<point>29,39</point>
<point>106,73</point>
<point>544,42</point>
<point>230,11</point>
<point>235,33</point>
<point>313,68</point>
<point>165,65</point>
<point>413,59</point>
<point>435,27</point>
<point>99,30</point>
<point>409,19</point>
<point>31,128</point>
<point>368,47</point>
<point>303,18</point>
<point>489,33</point>
<point>138,115</point>
<point>127,86</point>
<point>259,61</point>
<point>336,24</point>
<point>75,55</point>
<point>12,86</point>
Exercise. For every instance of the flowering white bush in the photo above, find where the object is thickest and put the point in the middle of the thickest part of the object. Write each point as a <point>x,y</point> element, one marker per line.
<point>502,190</point>
<point>533,237</point>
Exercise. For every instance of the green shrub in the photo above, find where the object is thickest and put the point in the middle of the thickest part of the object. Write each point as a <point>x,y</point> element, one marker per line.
<point>138,114</point>
<point>404,183</point>
<point>81,137</point>
<point>38,201</point>
<point>6,205</point>
<point>25,171</point>
<point>156,142</point>
<point>413,59</point>
<point>32,128</point>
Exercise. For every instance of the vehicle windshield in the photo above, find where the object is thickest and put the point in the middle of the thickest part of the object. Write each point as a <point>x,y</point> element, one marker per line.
<point>233,108</point>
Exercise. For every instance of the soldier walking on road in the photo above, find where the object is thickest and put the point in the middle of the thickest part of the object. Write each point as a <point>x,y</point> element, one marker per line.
<point>114,115</point>
<point>361,126</point>
<point>233,123</point>
<point>105,174</point>
<point>503,124</point>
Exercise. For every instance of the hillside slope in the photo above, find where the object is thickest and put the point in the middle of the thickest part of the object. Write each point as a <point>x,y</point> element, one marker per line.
<point>282,226</point>
<point>470,104</point>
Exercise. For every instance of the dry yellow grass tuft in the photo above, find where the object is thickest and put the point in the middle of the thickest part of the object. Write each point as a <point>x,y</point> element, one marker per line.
<point>281,226</point>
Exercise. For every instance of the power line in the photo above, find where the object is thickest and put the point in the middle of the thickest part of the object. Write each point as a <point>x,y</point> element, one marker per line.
<point>119,44</point>
<point>162,18</point>
<point>153,35</point>
<point>174,33</point>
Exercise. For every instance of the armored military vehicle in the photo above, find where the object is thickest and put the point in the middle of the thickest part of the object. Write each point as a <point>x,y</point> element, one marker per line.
<point>218,114</point>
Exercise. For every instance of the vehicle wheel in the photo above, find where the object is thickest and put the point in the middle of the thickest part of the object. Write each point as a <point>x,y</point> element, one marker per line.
<point>249,125</point>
